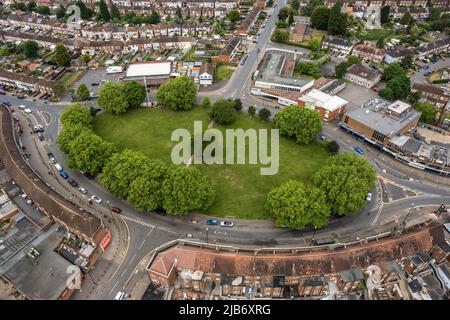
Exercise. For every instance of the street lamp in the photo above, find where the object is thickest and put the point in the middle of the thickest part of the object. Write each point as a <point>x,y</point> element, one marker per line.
<point>314,233</point>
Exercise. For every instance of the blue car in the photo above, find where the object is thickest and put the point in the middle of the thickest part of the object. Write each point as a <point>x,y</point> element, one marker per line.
<point>212,222</point>
<point>63,174</point>
<point>359,150</point>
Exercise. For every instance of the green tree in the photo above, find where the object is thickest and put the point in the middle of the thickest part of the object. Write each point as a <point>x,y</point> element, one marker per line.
<point>414,97</point>
<point>308,68</point>
<point>384,14</point>
<point>300,123</point>
<point>237,105</point>
<point>85,12</point>
<point>320,17</point>
<point>206,104</point>
<point>4,51</point>
<point>135,93</point>
<point>76,113</point>
<point>83,92</point>
<point>280,36</point>
<point>296,206</point>
<point>120,172</point>
<point>62,55</point>
<point>392,70</point>
<point>399,86</point>
<point>186,190</point>
<point>308,9</point>
<point>337,22</point>
<point>223,111</point>
<point>59,89</point>
<point>428,111</point>
<point>31,6</point>
<point>251,110</point>
<point>115,13</point>
<point>380,43</point>
<point>345,179</point>
<point>233,15</point>
<point>86,58</point>
<point>333,147</point>
<point>264,114</point>
<point>386,93</point>
<point>60,12</point>
<point>43,10</point>
<point>177,94</point>
<point>112,98</point>
<point>284,13</point>
<point>146,190</point>
<point>104,12</point>
<point>154,17</point>
<point>340,70</point>
<point>89,153</point>
<point>291,18</point>
<point>68,134</point>
<point>295,5</point>
<point>29,48</point>
<point>406,19</point>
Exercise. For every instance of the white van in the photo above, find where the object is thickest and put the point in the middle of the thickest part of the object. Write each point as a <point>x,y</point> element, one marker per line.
<point>120,296</point>
<point>58,166</point>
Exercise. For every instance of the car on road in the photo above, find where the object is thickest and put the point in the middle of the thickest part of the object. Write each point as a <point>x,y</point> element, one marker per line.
<point>95,84</point>
<point>7,103</point>
<point>426,74</point>
<point>226,224</point>
<point>2,92</point>
<point>96,199</point>
<point>425,67</point>
<point>51,156</point>
<point>82,190</point>
<point>359,150</point>
<point>73,183</point>
<point>63,174</point>
<point>22,107</point>
<point>38,128</point>
<point>116,210</point>
<point>58,166</point>
<point>20,97</point>
<point>369,197</point>
<point>88,175</point>
<point>27,111</point>
<point>212,222</point>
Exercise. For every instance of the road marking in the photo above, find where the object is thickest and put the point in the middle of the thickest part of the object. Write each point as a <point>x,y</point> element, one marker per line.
<point>114,287</point>
<point>132,259</point>
<point>123,272</point>
<point>146,224</point>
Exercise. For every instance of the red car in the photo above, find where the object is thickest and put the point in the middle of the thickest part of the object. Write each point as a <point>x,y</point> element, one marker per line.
<point>116,210</point>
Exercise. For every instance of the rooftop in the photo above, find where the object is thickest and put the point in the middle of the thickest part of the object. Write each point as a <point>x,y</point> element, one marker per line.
<point>149,69</point>
<point>321,99</point>
<point>363,72</point>
<point>374,115</point>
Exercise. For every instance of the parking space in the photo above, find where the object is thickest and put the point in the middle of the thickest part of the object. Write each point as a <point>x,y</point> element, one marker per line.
<point>94,78</point>
<point>356,95</point>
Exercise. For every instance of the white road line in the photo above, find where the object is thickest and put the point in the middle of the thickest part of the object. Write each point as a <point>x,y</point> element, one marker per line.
<point>123,272</point>
<point>114,287</point>
<point>132,259</point>
<point>143,241</point>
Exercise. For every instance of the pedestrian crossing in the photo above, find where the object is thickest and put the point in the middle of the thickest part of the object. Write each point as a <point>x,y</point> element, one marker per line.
<point>146,224</point>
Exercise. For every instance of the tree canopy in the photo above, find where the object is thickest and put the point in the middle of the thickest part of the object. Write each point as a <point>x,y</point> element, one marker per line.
<point>264,114</point>
<point>177,94</point>
<point>223,111</point>
<point>29,48</point>
<point>296,206</point>
<point>337,22</point>
<point>62,55</point>
<point>103,10</point>
<point>76,113</point>
<point>83,91</point>
<point>233,15</point>
<point>68,134</point>
<point>112,98</point>
<point>135,93</point>
<point>384,14</point>
<point>300,123</point>
<point>345,179</point>
<point>89,153</point>
<point>186,190</point>
<point>428,111</point>
<point>320,17</point>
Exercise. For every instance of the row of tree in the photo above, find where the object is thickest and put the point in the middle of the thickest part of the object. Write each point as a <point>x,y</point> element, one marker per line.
<point>148,184</point>
<point>117,97</point>
<point>339,188</point>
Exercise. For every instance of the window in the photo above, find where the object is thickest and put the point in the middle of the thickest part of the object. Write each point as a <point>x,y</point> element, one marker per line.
<point>378,136</point>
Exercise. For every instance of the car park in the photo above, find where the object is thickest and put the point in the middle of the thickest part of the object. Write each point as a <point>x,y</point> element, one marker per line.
<point>226,224</point>
<point>96,199</point>
<point>82,190</point>
<point>63,174</point>
<point>359,150</point>
<point>73,183</point>
<point>212,222</point>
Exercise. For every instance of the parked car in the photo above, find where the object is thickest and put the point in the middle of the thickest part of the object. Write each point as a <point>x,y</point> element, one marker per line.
<point>425,67</point>
<point>7,103</point>
<point>94,84</point>
<point>212,222</point>
<point>116,210</point>
<point>20,97</point>
<point>120,295</point>
<point>22,107</point>
<point>226,224</point>
<point>63,174</point>
<point>27,111</point>
<point>359,150</point>
<point>88,175</point>
<point>58,166</point>
<point>39,128</point>
<point>2,92</point>
<point>369,197</point>
<point>426,74</point>
<point>82,190</point>
<point>96,199</point>
<point>73,183</point>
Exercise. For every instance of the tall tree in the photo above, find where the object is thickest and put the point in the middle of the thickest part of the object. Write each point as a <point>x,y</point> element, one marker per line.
<point>154,17</point>
<point>120,172</point>
<point>296,206</point>
<point>43,10</point>
<point>112,98</point>
<point>384,14</point>
<point>300,123</point>
<point>89,153</point>
<point>320,17</point>
<point>146,190</point>
<point>406,19</point>
<point>295,5</point>
<point>264,114</point>
<point>104,12</point>
<point>345,179</point>
<point>31,5</point>
<point>251,111</point>
<point>337,23</point>
<point>177,94</point>
<point>135,93</point>
<point>60,12</point>
<point>291,18</point>
<point>83,91</point>
<point>186,190</point>
<point>76,113</point>
<point>85,12</point>
<point>115,13</point>
<point>29,48</point>
<point>223,111</point>
<point>68,134</point>
<point>234,15</point>
<point>392,70</point>
<point>428,111</point>
<point>62,55</point>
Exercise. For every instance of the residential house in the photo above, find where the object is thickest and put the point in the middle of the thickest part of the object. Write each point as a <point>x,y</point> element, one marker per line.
<point>363,76</point>
<point>441,45</point>
<point>227,54</point>
<point>396,54</point>
<point>368,53</point>
<point>206,75</point>
<point>337,45</point>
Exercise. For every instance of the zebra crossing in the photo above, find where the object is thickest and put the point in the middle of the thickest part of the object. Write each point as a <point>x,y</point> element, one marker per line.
<point>146,224</point>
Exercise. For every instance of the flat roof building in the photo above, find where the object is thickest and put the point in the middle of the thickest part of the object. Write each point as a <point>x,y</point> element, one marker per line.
<point>327,105</point>
<point>379,121</point>
<point>154,73</point>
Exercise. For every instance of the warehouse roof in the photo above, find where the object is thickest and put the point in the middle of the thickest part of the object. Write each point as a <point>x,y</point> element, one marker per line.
<point>149,69</point>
